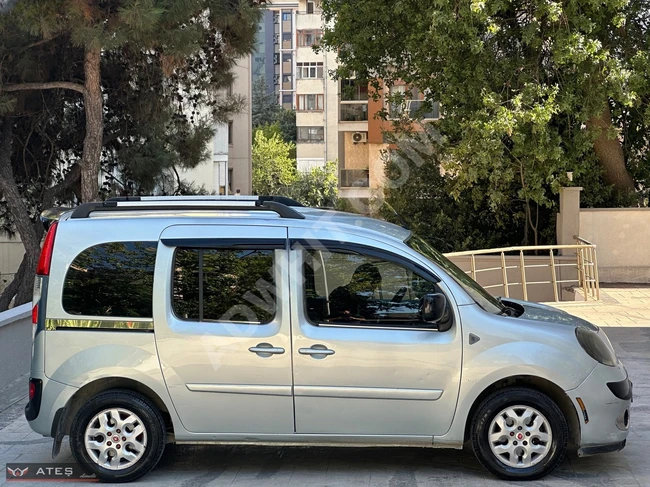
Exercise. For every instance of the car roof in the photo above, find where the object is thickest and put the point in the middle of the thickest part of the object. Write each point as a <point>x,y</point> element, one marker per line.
<point>275,210</point>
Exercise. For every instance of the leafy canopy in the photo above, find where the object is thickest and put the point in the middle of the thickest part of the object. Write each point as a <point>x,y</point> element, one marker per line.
<point>520,84</point>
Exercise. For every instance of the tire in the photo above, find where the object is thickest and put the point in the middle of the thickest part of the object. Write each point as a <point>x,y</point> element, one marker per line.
<point>520,448</point>
<point>137,447</point>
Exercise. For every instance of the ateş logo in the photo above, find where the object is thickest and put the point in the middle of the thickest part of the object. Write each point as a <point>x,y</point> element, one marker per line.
<point>17,472</point>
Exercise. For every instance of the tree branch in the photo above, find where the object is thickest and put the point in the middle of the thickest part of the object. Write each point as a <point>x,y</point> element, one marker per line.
<point>52,85</point>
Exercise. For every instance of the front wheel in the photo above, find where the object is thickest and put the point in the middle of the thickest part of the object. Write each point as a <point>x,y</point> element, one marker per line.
<point>519,434</point>
<point>117,435</point>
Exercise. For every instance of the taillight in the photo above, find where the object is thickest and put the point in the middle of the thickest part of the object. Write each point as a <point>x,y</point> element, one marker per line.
<point>44,262</point>
<point>32,390</point>
<point>35,314</point>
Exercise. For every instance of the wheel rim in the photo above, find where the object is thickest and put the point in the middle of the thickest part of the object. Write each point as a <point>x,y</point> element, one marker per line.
<point>115,438</point>
<point>520,436</point>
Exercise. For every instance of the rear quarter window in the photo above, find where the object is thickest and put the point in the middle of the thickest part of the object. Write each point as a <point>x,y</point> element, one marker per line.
<point>111,279</point>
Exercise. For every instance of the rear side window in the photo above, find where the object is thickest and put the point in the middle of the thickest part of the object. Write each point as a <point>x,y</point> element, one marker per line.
<point>113,279</point>
<point>224,285</point>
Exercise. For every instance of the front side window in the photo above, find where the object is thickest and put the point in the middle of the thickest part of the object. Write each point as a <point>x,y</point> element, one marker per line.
<point>484,299</point>
<point>355,289</point>
<point>111,280</point>
<point>224,285</point>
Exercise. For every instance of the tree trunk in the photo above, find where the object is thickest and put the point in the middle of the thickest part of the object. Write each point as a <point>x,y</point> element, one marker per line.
<point>93,106</point>
<point>610,153</point>
<point>21,286</point>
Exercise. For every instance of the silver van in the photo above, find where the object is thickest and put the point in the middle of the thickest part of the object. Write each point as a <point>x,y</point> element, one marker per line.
<point>253,320</point>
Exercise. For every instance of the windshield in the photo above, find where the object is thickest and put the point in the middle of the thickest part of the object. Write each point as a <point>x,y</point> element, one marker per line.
<point>484,299</point>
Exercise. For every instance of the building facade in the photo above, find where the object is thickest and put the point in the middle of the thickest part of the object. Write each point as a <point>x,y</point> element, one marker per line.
<point>335,119</point>
<point>274,57</point>
<point>229,170</point>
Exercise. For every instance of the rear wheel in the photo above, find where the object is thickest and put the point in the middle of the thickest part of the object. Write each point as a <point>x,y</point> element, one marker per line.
<point>118,435</point>
<point>519,434</point>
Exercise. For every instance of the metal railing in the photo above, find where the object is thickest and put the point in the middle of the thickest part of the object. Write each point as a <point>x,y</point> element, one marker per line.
<point>586,266</point>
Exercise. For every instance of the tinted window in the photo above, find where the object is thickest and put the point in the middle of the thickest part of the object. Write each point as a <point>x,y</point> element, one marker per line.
<point>224,285</point>
<point>358,289</point>
<point>112,279</point>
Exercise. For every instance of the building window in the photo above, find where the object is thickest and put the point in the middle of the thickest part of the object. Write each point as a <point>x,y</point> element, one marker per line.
<point>313,70</point>
<point>353,90</point>
<point>287,101</point>
<point>286,16</point>
<point>230,137</point>
<point>310,102</point>
<point>354,112</point>
<point>98,279</point>
<point>310,7</point>
<point>309,38</point>
<point>311,134</point>
<point>224,285</point>
<point>412,104</point>
<point>286,40</point>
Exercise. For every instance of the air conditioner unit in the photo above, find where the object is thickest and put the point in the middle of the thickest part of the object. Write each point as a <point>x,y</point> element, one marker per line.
<point>358,137</point>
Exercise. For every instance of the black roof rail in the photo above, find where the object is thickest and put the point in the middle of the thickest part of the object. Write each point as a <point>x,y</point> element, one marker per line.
<point>85,209</point>
<point>278,199</point>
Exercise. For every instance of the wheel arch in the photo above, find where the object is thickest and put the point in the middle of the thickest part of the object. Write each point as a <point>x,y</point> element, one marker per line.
<point>93,388</point>
<point>539,384</point>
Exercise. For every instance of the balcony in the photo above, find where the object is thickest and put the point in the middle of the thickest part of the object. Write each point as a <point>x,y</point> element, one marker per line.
<point>354,112</point>
<point>354,178</point>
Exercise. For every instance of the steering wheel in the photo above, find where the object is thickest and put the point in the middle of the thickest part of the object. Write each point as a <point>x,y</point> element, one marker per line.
<point>399,295</point>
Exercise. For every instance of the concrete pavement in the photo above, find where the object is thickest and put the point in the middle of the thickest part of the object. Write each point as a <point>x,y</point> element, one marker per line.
<point>623,311</point>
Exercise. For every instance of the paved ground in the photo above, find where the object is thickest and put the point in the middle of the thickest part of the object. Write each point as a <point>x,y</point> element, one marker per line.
<point>625,312</point>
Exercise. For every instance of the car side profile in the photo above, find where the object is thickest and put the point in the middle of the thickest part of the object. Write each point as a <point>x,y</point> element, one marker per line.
<point>254,320</point>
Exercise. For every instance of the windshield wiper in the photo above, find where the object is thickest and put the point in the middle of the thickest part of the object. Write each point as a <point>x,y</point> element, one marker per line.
<point>507,310</point>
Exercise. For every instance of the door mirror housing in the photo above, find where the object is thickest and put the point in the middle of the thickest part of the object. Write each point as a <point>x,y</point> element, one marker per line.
<point>433,309</point>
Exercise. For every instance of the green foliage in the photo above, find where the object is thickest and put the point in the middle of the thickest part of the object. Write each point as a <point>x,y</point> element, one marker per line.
<point>317,187</point>
<point>518,83</point>
<point>266,111</point>
<point>419,196</point>
<point>275,173</point>
<point>273,168</point>
<point>264,106</point>
<point>165,68</point>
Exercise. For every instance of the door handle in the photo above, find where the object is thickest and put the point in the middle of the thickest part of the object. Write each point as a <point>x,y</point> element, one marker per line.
<point>316,351</point>
<point>266,350</point>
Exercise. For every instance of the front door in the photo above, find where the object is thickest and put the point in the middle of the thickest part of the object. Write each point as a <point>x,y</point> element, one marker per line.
<point>222,321</point>
<point>364,362</point>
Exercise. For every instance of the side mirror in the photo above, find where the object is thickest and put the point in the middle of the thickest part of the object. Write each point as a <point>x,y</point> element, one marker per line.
<point>433,309</point>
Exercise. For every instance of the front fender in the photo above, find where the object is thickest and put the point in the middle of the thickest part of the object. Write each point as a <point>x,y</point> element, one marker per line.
<point>509,348</point>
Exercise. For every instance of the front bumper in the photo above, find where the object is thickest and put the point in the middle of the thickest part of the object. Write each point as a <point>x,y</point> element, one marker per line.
<point>595,450</point>
<point>604,418</point>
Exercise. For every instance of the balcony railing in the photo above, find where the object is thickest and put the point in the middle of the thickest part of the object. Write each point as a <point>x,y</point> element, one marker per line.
<point>354,178</point>
<point>354,112</point>
<point>584,268</point>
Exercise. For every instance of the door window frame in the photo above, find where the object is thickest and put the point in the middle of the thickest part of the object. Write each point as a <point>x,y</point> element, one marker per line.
<point>350,247</point>
<point>175,244</point>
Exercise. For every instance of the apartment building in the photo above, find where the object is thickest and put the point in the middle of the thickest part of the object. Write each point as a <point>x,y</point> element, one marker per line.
<point>229,170</point>
<point>335,119</point>
<point>274,57</point>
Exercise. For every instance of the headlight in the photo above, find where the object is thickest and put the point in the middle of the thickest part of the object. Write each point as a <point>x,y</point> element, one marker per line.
<point>597,345</point>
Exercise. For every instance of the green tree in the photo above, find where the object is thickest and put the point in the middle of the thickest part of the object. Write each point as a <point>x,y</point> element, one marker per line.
<point>317,187</point>
<point>273,167</point>
<point>266,111</point>
<point>529,89</point>
<point>131,87</point>
<point>265,108</point>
